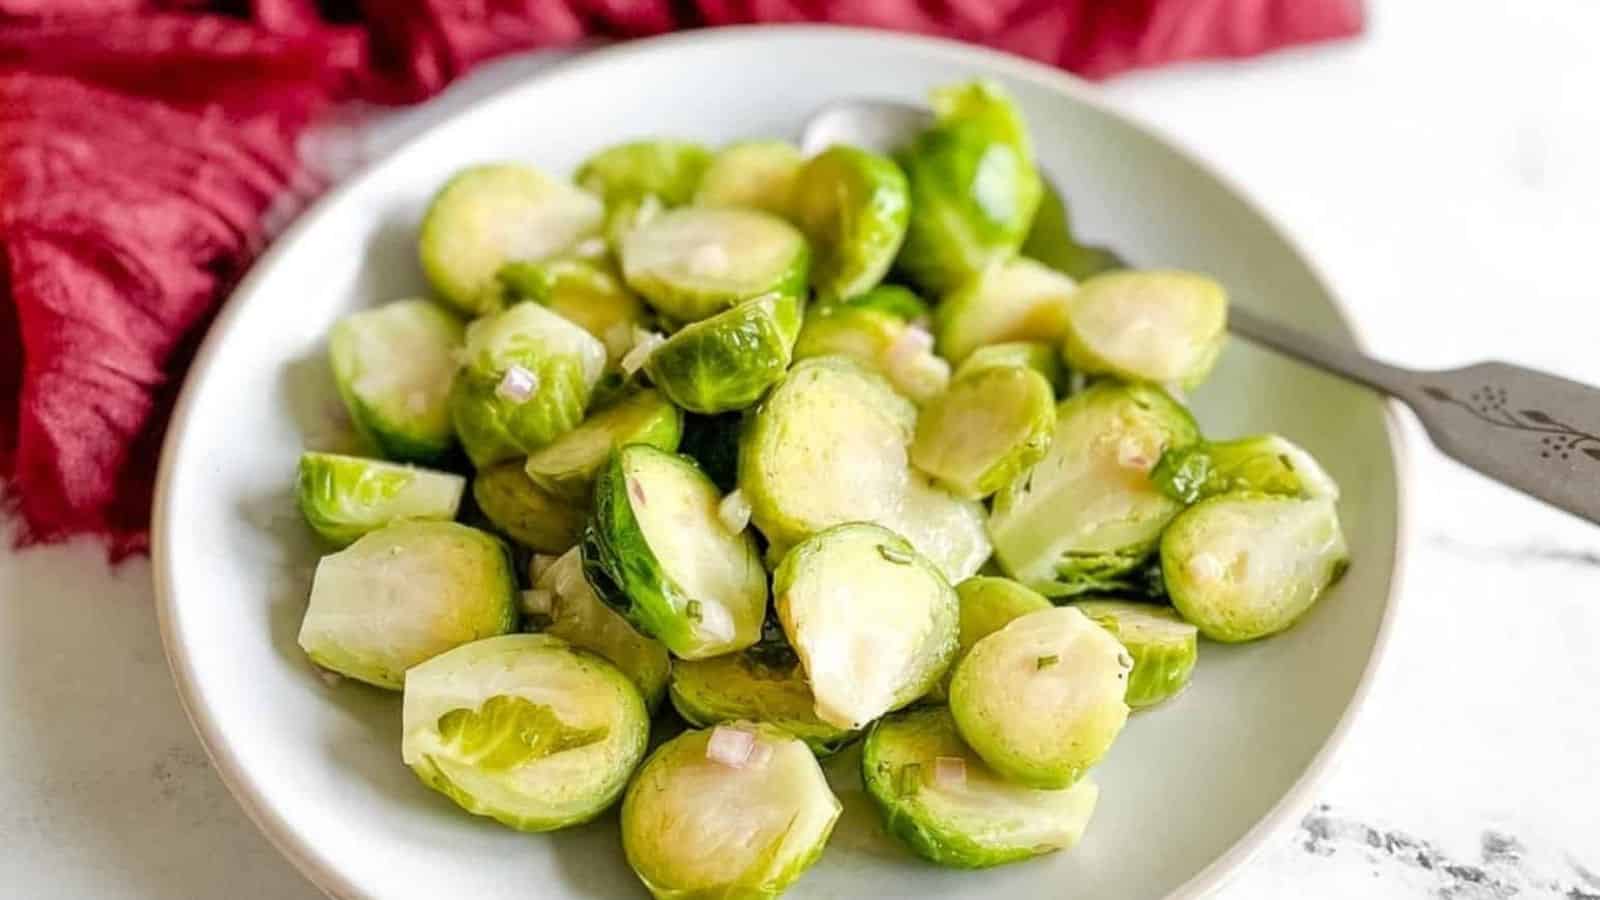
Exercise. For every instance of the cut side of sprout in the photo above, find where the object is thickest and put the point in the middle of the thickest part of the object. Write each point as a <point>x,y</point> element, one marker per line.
<point>990,425</point>
<point>755,174</point>
<point>345,497</point>
<point>765,683</point>
<point>1162,647</point>
<point>950,772</point>
<point>393,366</point>
<point>696,261</point>
<point>1153,326</point>
<point>577,615</point>
<point>1020,300</point>
<point>566,467</point>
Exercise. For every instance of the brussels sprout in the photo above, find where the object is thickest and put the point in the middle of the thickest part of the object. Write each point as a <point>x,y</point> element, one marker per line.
<point>1051,242</point>
<point>880,340</point>
<point>1245,566</point>
<point>344,497</point>
<point>755,174</point>
<point>853,206</point>
<point>713,443</point>
<point>625,215</point>
<point>587,293</point>
<point>765,683</point>
<point>489,215</point>
<point>1264,463</point>
<point>874,623</point>
<point>1161,327</point>
<point>900,302</point>
<point>668,169</point>
<point>1085,517</point>
<point>1017,301</point>
<point>728,361</point>
<point>404,594</point>
<point>657,552</point>
<point>693,262</point>
<point>694,826</point>
<point>939,797</point>
<point>994,422</point>
<point>525,729</point>
<point>566,467</point>
<point>1163,646</point>
<point>974,189</point>
<point>1041,700</point>
<point>987,605</point>
<point>1036,355</point>
<point>946,529</point>
<point>526,380</point>
<point>393,366</point>
<point>525,512</point>
<point>575,614</point>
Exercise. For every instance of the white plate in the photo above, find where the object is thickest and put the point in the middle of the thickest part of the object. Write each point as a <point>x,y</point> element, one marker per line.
<point>1189,791</point>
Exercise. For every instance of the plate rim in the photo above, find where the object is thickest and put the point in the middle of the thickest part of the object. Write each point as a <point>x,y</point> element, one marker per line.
<point>318,868</point>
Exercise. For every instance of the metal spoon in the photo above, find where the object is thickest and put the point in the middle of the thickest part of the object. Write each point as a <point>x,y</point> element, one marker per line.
<point>1535,432</point>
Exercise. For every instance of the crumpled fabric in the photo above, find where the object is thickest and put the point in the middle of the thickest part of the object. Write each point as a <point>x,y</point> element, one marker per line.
<point>148,148</point>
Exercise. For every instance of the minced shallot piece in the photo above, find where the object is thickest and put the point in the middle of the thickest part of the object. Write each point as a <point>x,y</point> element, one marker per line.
<point>539,564</point>
<point>538,602</point>
<point>644,344</point>
<point>517,385</point>
<point>950,771</point>
<point>730,747</point>
<point>1131,455</point>
<point>734,511</point>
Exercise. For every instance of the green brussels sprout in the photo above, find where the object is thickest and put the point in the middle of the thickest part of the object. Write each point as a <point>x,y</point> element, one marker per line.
<point>754,174</point>
<point>1085,518</point>
<point>713,443</point>
<point>404,594</point>
<point>393,366</point>
<point>872,620</point>
<point>489,215</point>
<point>765,683</point>
<point>1162,327</point>
<point>1163,646</point>
<point>527,378</point>
<point>627,214</point>
<point>988,603</point>
<point>974,189</point>
<point>566,466</point>
<point>1036,355</point>
<point>896,300</point>
<point>1245,566</point>
<point>525,729</point>
<point>883,341</point>
<point>1264,463</point>
<point>732,812</point>
<point>938,797</point>
<point>949,531</point>
<point>344,497</point>
<point>853,206</point>
<point>1051,242</point>
<point>694,262</point>
<point>585,292</point>
<point>525,512</point>
<point>569,609</point>
<point>657,551</point>
<point>992,423</point>
<point>668,169</point>
<point>1041,700</point>
<point>728,361</point>
<point>1020,300</point>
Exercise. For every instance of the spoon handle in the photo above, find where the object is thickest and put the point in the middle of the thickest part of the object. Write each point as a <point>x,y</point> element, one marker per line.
<point>1536,432</point>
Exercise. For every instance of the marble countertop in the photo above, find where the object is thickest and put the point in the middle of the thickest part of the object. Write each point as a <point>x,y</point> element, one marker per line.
<point>1443,171</point>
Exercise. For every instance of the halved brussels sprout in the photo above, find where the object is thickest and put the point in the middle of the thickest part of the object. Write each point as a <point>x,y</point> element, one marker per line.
<point>946,529</point>
<point>896,300</point>
<point>1036,355</point>
<point>873,622</point>
<point>1245,566</point>
<point>393,366</point>
<point>1163,646</point>
<point>994,422</point>
<point>765,683</point>
<point>525,729</point>
<point>693,262</point>
<point>754,174</point>
<point>974,189</point>
<point>585,292</point>
<point>658,553</point>
<point>1085,517</point>
<point>404,594</point>
<point>575,614</point>
<point>988,604</point>
<point>1264,463</point>
<point>566,466</point>
<point>489,215</point>
<point>668,169</point>
<point>937,795</point>
<point>713,443</point>
<point>1019,300</point>
<point>694,826</point>
<point>880,340</point>
<point>1041,700</point>
<point>853,206</point>
<point>525,512</point>
<point>344,497</point>
<point>728,361</point>
<point>526,380</point>
<point>1162,327</point>
<point>1051,241</point>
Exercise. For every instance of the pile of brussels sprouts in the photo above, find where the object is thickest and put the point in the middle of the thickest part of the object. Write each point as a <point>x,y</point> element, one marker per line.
<point>810,448</point>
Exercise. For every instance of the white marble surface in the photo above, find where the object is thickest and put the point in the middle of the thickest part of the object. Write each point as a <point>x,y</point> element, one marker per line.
<point>1445,172</point>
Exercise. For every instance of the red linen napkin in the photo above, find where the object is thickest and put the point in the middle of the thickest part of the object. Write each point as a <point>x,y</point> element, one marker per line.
<point>146,147</point>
